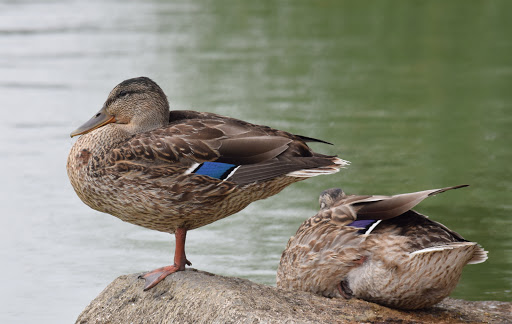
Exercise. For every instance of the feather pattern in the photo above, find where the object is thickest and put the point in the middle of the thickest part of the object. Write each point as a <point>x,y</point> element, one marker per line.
<point>376,248</point>
<point>166,169</point>
<point>217,170</point>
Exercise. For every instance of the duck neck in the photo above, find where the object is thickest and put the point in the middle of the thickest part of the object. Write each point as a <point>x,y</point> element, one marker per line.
<point>90,152</point>
<point>104,139</point>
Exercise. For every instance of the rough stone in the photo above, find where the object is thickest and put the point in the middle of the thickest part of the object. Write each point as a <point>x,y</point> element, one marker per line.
<point>193,296</point>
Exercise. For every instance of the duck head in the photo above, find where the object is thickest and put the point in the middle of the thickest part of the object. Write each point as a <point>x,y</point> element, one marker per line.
<point>329,197</point>
<point>134,105</point>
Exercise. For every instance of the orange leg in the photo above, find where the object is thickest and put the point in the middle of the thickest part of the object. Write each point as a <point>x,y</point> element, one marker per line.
<point>180,260</point>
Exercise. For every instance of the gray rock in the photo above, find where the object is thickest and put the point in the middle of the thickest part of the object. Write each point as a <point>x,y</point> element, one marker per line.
<point>193,296</point>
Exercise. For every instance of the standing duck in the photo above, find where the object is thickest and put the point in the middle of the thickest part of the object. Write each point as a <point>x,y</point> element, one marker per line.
<point>377,249</point>
<point>174,171</point>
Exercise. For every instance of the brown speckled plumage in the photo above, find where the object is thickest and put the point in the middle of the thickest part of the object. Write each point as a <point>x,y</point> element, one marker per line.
<point>137,160</point>
<point>406,261</point>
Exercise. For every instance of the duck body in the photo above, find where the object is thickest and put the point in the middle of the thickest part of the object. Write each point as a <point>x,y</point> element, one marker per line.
<point>377,249</point>
<point>154,179</point>
<point>179,170</point>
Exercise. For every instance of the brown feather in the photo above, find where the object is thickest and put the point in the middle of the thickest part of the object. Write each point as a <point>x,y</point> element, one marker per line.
<point>385,207</point>
<point>406,261</point>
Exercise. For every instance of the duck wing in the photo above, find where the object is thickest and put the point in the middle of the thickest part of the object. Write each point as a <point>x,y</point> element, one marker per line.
<point>221,148</point>
<point>367,211</point>
<point>178,116</point>
<point>385,207</point>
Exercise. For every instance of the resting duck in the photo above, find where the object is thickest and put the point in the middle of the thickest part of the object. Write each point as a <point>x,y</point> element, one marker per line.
<point>174,171</point>
<point>377,249</point>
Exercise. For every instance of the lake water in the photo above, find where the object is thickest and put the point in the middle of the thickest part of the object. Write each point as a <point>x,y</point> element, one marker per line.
<point>416,94</point>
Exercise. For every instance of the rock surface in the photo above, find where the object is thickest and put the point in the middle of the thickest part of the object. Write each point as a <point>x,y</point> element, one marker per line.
<point>193,296</point>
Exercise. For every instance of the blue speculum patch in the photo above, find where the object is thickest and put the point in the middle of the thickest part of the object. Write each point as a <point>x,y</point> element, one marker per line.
<point>216,170</point>
<point>363,224</point>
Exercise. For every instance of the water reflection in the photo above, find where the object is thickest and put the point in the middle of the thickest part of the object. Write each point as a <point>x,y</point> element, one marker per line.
<point>415,94</point>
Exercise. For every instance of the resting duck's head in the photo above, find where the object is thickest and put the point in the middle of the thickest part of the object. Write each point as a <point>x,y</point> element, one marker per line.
<point>134,105</point>
<point>328,198</point>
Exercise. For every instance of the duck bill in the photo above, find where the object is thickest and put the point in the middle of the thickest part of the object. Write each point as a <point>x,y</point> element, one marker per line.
<point>98,120</point>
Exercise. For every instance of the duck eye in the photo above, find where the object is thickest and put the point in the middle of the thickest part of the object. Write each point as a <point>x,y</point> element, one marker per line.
<point>123,94</point>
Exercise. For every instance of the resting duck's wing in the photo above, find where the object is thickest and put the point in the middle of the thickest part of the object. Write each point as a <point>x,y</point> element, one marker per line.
<point>364,211</point>
<point>385,207</point>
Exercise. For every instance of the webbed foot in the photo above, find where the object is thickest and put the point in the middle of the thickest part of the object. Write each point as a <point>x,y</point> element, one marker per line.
<point>154,277</point>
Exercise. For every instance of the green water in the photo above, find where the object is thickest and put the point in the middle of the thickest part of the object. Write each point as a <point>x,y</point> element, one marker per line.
<point>416,94</point>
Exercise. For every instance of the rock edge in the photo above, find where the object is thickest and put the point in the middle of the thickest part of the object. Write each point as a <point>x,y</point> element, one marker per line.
<point>194,296</point>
